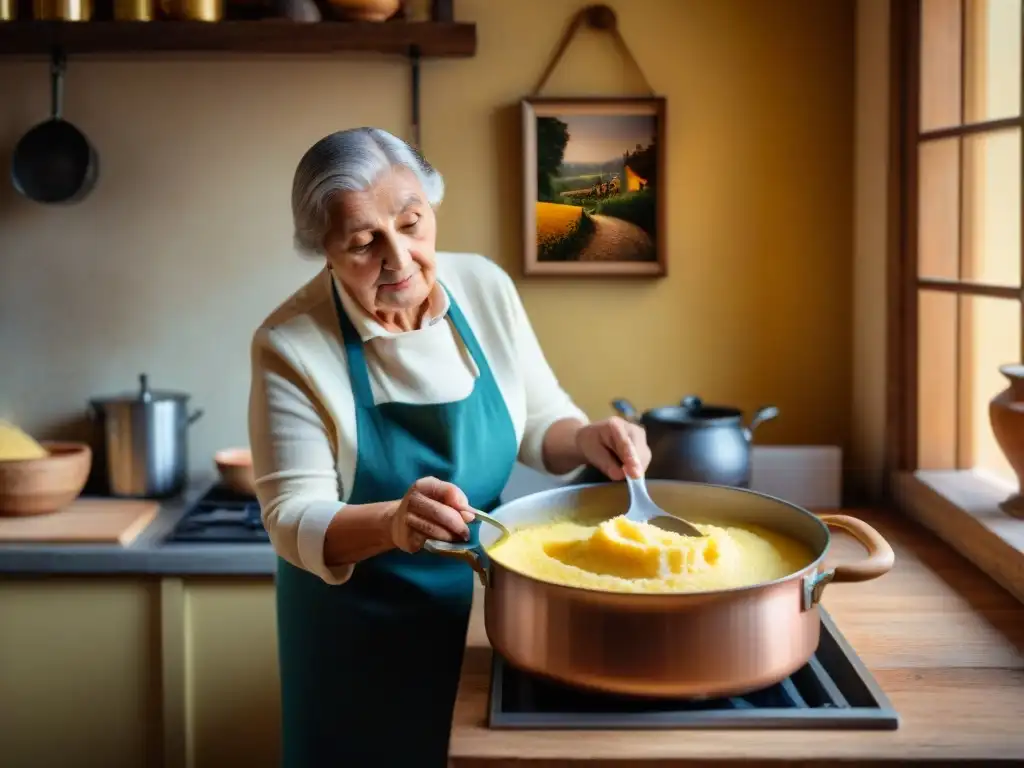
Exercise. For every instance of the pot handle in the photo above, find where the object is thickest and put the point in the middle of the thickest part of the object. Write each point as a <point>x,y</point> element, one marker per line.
<point>879,561</point>
<point>471,554</point>
<point>767,413</point>
<point>691,403</point>
<point>626,410</point>
<point>193,417</point>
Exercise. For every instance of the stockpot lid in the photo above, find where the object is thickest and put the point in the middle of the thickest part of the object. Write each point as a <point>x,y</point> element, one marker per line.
<point>692,412</point>
<point>142,395</point>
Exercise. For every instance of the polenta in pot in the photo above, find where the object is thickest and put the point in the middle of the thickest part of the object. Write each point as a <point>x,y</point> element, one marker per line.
<point>620,555</point>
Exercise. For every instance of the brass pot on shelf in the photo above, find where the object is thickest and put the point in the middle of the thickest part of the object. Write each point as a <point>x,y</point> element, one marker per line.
<point>134,10</point>
<point>193,10</point>
<point>62,10</point>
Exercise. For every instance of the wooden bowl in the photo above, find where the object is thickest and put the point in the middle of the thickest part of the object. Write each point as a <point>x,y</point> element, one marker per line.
<point>365,10</point>
<point>41,486</point>
<point>235,467</point>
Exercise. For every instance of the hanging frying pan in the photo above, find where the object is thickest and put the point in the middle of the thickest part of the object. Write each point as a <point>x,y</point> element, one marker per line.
<point>54,162</point>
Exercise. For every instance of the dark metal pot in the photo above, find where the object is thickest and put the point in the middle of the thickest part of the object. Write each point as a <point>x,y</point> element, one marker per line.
<point>694,442</point>
<point>55,162</point>
<point>700,644</point>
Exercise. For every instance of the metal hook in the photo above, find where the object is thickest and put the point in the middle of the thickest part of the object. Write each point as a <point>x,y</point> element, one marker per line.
<point>414,66</point>
<point>601,17</point>
<point>58,61</point>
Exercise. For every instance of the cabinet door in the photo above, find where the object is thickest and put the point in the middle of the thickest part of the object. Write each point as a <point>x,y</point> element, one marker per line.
<point>232,685</point>
<point>79,672</point>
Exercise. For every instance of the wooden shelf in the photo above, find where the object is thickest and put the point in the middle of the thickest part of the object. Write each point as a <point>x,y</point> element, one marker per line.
<point>272,36</point>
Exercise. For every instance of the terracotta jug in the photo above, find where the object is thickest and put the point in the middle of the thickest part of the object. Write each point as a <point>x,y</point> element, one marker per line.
<point>1006,412</point>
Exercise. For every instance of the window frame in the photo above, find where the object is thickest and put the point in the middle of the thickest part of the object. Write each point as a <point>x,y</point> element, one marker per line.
<point>904,284</point>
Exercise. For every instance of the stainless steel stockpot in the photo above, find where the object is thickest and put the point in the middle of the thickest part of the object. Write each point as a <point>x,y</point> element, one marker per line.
<point>144,438</point>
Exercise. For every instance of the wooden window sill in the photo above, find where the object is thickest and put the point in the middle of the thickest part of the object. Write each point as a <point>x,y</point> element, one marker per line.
<point>963,509</point>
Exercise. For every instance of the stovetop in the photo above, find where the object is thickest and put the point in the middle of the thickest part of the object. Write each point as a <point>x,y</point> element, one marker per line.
<point>221,516</point>
<point>833,691</point>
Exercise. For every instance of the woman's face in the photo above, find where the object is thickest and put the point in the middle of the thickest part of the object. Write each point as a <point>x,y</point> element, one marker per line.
<point>381,247</point>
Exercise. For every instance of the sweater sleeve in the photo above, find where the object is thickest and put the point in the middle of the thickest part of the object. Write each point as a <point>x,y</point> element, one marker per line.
<point>546,401</point>
<point>297,482</point>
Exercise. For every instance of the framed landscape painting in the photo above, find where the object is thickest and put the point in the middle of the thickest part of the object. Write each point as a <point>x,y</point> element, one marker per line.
<point>594,200</point>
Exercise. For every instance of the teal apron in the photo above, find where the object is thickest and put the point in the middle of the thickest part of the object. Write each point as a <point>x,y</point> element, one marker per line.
<point>370,668</point>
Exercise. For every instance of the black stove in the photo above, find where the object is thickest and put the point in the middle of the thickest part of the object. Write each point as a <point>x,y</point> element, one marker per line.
<point>833,691</point>
<point>221,516</point>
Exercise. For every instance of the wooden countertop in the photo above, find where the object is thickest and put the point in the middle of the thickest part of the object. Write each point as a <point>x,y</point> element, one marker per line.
<point>945,643</point>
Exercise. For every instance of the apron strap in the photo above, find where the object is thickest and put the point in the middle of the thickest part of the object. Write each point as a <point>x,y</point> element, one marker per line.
<point>468,338</point>
<point>358,375</point>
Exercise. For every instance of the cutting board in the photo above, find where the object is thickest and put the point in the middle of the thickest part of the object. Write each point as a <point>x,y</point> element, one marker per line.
<point>84,521</point>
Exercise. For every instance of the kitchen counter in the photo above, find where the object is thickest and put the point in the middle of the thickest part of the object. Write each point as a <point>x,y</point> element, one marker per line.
<point>147,554</point>
<point>945,643</point>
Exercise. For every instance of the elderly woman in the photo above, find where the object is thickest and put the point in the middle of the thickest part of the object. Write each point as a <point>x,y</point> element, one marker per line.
<point>391,396</point>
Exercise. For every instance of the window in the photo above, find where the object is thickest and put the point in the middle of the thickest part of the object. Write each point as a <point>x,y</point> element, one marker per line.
<point>961,305</point>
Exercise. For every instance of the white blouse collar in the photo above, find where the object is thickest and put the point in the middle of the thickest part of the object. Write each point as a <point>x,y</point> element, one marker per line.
<point>367,326</point>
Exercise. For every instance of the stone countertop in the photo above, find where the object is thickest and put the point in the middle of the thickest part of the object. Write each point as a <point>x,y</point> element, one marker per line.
<point>148,554</point>
<point>944,642</point>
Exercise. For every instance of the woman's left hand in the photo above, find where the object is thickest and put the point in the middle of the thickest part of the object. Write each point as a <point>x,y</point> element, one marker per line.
<point>616,447</point>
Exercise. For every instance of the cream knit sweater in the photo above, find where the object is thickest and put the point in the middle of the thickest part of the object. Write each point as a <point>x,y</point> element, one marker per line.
<point>301,408</point>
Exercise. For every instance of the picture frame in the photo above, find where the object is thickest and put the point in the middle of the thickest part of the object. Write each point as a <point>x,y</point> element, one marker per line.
<point>594,206</point>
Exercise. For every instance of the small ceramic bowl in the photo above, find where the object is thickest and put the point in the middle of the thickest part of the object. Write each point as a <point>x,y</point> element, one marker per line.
<point>235,467</point>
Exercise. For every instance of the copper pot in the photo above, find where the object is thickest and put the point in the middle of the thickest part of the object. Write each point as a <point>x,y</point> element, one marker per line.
<point>705,644</point>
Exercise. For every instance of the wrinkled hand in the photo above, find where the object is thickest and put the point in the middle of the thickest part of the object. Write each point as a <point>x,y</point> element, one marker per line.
<point>616,447</point>
<point>430,509</point>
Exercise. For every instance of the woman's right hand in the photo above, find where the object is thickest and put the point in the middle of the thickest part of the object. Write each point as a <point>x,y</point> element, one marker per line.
<point>430,509</point>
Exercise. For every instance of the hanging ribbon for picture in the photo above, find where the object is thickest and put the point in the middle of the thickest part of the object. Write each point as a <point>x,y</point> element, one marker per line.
<point>593,173</point>
<point>597,17</point>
